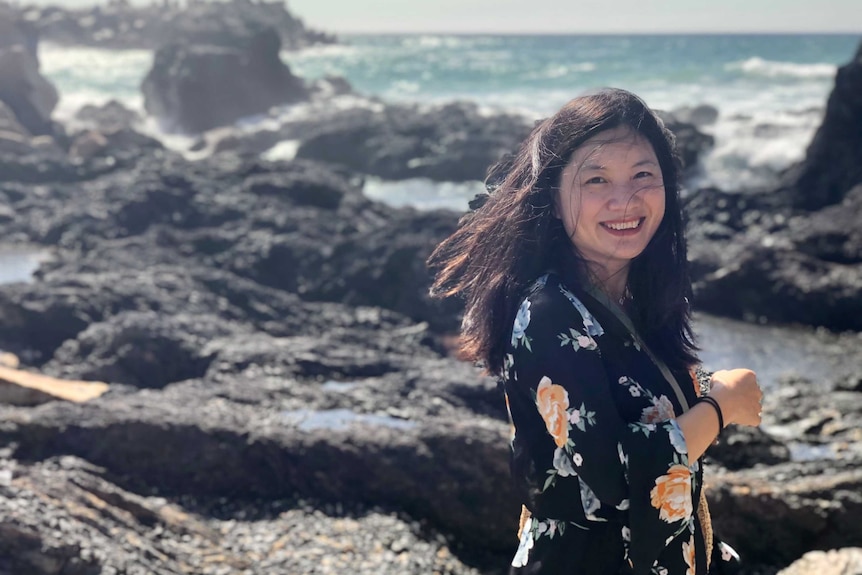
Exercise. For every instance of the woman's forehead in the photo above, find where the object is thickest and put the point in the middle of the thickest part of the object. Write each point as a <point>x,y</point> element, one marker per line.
<point>622,144</point>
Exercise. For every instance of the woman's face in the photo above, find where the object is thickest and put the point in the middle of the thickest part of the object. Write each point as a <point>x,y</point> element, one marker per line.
<point>611,199</point>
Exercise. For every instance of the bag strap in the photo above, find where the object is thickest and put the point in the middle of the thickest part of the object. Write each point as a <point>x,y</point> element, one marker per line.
<point>603,299</point>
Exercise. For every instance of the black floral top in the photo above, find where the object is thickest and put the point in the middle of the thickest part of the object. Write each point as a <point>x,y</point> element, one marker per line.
<point>597,455</point>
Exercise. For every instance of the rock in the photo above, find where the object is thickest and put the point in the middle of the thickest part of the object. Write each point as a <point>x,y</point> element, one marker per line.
<point>143,349</point>
<point>64,514</point>
<point>699,116</point>
<point>745,447</point>
<point>453,142</point>
<point>773,515</point>
<point>9,124</point>
<point>17,31</point>
<point>752,257</point>
<point>87,145</point>
<point>847,561</point>
<point>110,117</point>
<point>193,88</point>
<point>124,26</point>
<point>833,161</point>
<point>690,142</point>
<point>25,91</point>
<point>25,388</point>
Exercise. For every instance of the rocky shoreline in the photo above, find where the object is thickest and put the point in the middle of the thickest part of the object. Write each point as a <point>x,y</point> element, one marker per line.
<point>281,395</point>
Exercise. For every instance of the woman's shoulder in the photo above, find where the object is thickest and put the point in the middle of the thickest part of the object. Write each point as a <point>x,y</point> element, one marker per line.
<point>550,296</point>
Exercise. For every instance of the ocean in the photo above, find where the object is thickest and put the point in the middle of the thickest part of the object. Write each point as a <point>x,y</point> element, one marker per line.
<point>770,90</point>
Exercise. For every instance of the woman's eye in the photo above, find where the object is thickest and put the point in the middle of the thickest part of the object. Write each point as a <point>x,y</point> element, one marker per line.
<point>595,180</point>
<point>643,174</point>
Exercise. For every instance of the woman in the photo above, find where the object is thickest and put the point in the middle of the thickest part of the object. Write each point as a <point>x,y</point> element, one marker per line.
<point>575,279</point>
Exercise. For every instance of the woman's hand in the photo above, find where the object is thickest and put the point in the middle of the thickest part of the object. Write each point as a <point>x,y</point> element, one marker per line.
<point>739,396</point>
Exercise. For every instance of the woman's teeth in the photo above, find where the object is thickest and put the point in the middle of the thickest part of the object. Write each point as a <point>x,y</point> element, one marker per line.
<point>623,225</point>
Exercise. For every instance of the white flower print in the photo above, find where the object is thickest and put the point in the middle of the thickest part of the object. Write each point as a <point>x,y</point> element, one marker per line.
<point>592,327</point>
<point>727,552</point>
<point>627,534</point>
<point>590,502</point>
<point>525,545</point>
<point>624,459</point>
<point>575,416</point>
<point>624,505</point>
<point>660,410</point>
<point>563,463</point>
<point>677,439</point>
<point>636,392</point>
<point>522,321</point>
<point>578,459</point>
<point>587,343</point>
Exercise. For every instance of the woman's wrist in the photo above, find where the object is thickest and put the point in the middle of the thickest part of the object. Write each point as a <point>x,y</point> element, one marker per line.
<point>711,401</point>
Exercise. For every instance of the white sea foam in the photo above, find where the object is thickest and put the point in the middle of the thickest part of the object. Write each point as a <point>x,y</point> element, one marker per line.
<point>284,150</point>
<point>423,194</point>
<point>771,69</point>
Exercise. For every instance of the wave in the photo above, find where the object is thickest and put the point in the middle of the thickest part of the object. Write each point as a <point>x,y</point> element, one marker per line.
<point>772,69</point>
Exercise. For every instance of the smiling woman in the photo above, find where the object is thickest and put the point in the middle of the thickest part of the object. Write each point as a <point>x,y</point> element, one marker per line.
<point>611,202</point>
<point>575,280</point>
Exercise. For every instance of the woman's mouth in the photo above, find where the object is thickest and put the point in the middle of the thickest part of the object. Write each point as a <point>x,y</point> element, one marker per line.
<point>623,227</point>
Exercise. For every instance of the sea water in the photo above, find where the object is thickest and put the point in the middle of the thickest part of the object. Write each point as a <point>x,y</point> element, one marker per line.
<point>770,90</point>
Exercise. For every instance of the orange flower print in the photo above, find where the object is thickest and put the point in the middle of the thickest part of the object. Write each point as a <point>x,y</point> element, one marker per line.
<point>660,410</point>
<point>688,555</point>
<point>672,494</point>
<point>553,401</point>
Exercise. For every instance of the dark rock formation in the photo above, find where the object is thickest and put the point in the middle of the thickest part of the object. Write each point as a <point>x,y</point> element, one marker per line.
<point>832,162</point>
<point>691,143</point>
<point>122,25</point>
<point>29,96</point>
<point>195,87</point>
<point>449,143</point>
<point>702,115</point>
<point>110,117</point>
<point>793,254</point>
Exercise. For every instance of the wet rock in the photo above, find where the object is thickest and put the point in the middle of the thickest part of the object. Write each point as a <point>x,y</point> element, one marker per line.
<point>195,87</point>
<point>453,142</point>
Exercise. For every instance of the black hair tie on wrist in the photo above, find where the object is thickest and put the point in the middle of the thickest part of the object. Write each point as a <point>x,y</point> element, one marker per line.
<point>714,404</point>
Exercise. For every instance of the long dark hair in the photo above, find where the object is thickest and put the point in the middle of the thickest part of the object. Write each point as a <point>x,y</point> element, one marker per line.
<point>501,247</point>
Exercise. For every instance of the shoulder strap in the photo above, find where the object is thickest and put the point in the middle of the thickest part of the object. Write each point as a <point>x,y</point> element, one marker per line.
<point>603,299</point>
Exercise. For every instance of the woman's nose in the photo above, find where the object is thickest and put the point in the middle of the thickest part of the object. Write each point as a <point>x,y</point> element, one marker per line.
<point>623,194</point>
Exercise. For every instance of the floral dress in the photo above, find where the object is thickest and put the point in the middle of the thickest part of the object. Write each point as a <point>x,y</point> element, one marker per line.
<point>597,456</point>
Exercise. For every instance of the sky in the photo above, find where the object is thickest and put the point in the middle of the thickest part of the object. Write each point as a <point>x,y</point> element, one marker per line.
<point>580,16</point>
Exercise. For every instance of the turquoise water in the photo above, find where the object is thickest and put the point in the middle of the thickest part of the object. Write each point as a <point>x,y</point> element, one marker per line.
<point>539,73</point>
<point>770,90</point>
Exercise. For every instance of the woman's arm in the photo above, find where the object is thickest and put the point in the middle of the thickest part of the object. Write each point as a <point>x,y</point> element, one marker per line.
<point>739,397</point>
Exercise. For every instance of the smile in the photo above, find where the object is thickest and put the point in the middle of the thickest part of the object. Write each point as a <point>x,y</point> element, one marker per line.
<point>623,226</point>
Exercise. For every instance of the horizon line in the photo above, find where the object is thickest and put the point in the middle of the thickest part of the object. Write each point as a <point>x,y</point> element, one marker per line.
<point>594,33</point>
